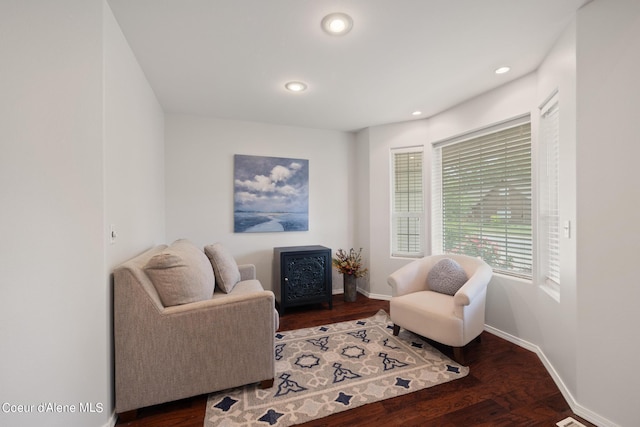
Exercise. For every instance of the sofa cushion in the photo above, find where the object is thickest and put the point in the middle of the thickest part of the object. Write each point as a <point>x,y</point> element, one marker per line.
<point>224,265</point>
<point>446,277</point>
<point>181,274</point>
<point>243,287</point>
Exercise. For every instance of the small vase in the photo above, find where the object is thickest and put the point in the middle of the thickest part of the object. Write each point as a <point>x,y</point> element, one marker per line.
<point>350,288</point>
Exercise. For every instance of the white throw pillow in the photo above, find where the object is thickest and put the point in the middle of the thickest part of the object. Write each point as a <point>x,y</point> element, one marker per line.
<point>446,277</point>
<point>224,266</point>
<point>181,274</point>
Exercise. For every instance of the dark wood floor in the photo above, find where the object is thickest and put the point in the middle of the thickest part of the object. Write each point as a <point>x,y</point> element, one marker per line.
<point>506,386</point>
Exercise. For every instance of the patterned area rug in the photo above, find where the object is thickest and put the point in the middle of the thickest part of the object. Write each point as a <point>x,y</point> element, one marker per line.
<point>333,368</point>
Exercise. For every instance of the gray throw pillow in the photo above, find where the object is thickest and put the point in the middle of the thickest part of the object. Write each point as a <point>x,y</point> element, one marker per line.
<point>181,274</point>
<point>446,277</point>
<point>224,266</point>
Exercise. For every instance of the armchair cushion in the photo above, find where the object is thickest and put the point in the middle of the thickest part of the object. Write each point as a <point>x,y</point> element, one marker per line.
<point>181,274</point>
<point>224,265</point>
<point>446,277</point>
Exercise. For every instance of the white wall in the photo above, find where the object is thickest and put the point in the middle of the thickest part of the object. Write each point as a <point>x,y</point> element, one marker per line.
<point>362,212</point>
<point>199,185</point>
<point>557,318</point>
<point>134,151</point>
<point>376,143</point>
<point>133,165</point>
<point>608,196</point>
<point>82,147</point>
<point>53,306</point>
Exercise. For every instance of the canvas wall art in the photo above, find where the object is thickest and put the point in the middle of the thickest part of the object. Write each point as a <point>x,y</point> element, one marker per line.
<point>270,194</point>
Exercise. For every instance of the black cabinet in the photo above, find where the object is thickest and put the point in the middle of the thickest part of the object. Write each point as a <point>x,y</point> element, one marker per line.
<point>301,275</point>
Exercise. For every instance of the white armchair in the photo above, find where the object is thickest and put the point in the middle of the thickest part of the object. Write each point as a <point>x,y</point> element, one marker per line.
<point>451,320</point>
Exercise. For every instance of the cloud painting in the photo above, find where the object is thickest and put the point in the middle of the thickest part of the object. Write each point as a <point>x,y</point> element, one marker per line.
<point>271,194</point>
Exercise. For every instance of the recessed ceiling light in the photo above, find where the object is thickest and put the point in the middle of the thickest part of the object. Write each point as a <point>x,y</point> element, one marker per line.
<point>295,86</point>
<point>416,113</point>
<point>502,70</point>
<point>337,24</point>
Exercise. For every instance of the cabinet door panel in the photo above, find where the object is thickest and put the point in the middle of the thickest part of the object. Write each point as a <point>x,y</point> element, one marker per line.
<point>302,275</point>
<point>305,277</point>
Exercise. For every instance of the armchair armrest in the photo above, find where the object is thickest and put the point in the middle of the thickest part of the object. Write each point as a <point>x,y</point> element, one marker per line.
<point>412,277</point>
<point>476,284</point>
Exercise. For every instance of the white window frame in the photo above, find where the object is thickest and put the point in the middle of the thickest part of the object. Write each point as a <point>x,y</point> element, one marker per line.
<point>549,227</point>
<point>413,247</point>
<point>508,259</point>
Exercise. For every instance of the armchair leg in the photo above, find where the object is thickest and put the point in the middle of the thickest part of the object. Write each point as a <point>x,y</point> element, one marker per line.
<point>458,355</point>
<point>266,383</point>
<point>396,330</point>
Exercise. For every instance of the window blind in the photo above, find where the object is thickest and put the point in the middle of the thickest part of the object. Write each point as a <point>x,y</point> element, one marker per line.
<point>407,202</point>
<point>550,195</point>
<point>482,198</point>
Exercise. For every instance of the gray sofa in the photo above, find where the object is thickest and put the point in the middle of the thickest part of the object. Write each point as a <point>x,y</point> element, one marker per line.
<point>168,346</point>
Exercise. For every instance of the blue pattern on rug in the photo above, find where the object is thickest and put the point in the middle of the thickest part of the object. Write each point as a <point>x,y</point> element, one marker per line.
<point>226,403</point>
<point>341,374</point>
<point>345,399</point>
<point>320,342</point>
<point>353,352</point>
<point>387,343</point>
<point>271,417</point>
<point>402,382</point>
<point>362,334</point>
<point>391,363</point>
<point>279,350</point>
<point>308,361</point>
<point>288,386</point>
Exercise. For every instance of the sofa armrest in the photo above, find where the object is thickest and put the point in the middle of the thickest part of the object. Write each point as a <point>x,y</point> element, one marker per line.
<point>247,271</point>
<point>189,349</point>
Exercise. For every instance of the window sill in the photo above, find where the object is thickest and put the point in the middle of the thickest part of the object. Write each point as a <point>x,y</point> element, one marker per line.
<point>403,256</point>
<point>513,278</point>
<point>551,291</point>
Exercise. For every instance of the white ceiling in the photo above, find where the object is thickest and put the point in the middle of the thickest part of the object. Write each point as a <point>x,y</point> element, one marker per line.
<point>231,58</point>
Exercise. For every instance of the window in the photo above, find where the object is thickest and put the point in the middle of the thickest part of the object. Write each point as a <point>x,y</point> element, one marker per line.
<point>549,225</point>
<point>407,195</point>
<point>482,197</point>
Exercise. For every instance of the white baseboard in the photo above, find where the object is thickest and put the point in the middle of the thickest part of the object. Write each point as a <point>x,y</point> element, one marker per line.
<point>112,420</point>
<point>374,296</point>
<point>338,291</point>
<point>578,409</point>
